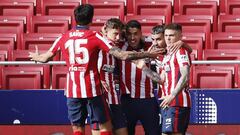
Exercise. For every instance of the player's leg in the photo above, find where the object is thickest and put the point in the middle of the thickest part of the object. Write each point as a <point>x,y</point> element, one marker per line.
<point>95,128</point>
<point>128,106</point>
<point>175,120</point>
<point>119,120</point>
<point>101,114</point>
<point>77,114</point>
<point>149,116</point>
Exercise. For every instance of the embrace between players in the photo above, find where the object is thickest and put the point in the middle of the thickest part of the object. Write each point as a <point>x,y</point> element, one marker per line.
<point>119,55</point>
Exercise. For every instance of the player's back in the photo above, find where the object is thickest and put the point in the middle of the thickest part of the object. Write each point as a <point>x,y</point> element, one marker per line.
<point>80,48</point>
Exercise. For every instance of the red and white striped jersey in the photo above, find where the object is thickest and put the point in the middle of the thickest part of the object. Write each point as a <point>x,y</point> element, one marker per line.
<point>133,80</point>
<point>171,66</point>
<point>106,66</point>
<point>80,48</point>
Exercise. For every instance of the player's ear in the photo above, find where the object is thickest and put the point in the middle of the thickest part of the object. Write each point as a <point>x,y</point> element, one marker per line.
<point>104,29</point>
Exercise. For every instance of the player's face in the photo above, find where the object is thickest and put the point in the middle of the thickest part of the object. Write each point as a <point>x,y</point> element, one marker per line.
<point>172,36</point>
<point>114,35</point>
<point>133,37</point>
<point>158,40</point>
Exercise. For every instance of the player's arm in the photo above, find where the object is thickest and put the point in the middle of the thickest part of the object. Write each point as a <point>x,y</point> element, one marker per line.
<point>151,74</point>
<point>182,82</point>
<point>184,70</point>
<point>44,57</point>
<point>131,55</point>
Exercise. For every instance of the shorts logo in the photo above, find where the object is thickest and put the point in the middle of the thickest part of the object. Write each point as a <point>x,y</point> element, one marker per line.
<point>168,121</point>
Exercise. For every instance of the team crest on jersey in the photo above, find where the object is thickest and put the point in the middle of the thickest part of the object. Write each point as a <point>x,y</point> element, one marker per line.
<point>108,68</point>
<point>184,58</point>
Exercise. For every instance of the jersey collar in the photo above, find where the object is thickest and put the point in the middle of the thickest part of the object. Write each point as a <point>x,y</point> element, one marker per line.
<point>82,27</point>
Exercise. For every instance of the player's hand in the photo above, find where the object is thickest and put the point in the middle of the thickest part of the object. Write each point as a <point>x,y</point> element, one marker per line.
<point>166,101</point>
<point>34,55</point>
<point>154,53</point>
<point>175,47</point>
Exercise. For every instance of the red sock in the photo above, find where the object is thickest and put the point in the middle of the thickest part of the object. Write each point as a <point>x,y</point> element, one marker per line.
<point>105,133</point>
<point>77,133</point>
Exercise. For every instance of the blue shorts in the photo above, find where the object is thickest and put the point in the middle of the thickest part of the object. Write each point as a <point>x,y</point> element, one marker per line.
<point>144,110</point>
<point>118,118</point>
<point>175,119</point>
<point>79,108</point>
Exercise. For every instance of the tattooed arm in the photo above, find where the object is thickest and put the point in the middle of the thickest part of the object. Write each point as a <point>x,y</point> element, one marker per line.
<point>131,55</point>
<point>151,74</point>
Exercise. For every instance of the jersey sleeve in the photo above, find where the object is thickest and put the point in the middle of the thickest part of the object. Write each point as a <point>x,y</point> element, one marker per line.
<point>55,46</point>
<point>183,58</point>
<point>104,44</point>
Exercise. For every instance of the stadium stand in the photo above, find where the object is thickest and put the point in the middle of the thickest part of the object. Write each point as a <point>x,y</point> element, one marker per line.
<point>17,9</point>
<point>22,55</point>
<point>62,8</point>
<point>163,8</point>
<point>12,27</point>
<point>7,36</point>
<point>29,77</point>
<point>200,8</point>
<point>147,21</point>
<point>229,23</point>
<point>225,40</point>
<point>203,77</point>
<point>59,77</point>
<point>50,24</point>
<point>109,9</point>
<point>4,55</point>
<point>233,7</point>
<point>196,43</point>
<point>42,40</point>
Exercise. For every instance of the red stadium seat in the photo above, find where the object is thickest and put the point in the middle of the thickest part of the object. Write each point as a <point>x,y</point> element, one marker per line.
<point>109,9</point>
<point>191,24</point>
<point>50,24</point>
<point>233,7</point>
<point>22,55</point>
<point>208,8</point>
<point>17,9</point>
<point>163,8</point>
<point>99,21</point>
<point>59,74</point>
<point>63,8</point>
<point>225,40</point>
<point>43,40</point>
<point>9,36</point>
<point>7,43</point>
<point>196,44</point>
<point>221,54</point>
<point>17,18</point>
<point>211,77</point>
<point>4,55</point>
<point>21,78</point>
<point>37,4</point>
<point>147,21</point>
<point>220,4</point>
<point>229,23</point>
<point>12,27</point>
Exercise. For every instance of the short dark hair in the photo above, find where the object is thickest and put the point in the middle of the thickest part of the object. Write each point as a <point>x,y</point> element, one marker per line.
<point>84,14</point>
<point>158,29</point>
<point>133,24</point>
<point>114,23</point>
<point>174,26</point>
